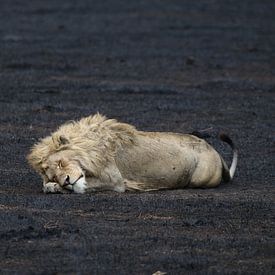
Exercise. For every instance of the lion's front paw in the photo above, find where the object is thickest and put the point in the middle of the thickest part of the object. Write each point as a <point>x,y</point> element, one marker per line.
<point>52,187</point>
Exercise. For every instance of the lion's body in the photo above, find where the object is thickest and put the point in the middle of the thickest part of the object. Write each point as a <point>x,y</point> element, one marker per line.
<point>167,160</point>
<point>116,156</point>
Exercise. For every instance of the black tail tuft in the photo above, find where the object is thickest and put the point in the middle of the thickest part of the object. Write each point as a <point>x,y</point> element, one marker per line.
<point>227,139</point>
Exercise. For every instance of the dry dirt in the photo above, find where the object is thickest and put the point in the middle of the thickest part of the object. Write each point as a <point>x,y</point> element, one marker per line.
<point>161,65</point>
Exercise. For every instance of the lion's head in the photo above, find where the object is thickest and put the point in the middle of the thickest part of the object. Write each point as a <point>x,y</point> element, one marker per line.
<point>58,163</point>
<point>63,169</point>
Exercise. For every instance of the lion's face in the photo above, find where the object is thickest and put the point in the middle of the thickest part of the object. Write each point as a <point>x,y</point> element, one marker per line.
<point>64,170</point>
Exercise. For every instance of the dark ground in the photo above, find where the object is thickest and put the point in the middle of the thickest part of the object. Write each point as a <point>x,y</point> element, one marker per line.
<point>161,65</point>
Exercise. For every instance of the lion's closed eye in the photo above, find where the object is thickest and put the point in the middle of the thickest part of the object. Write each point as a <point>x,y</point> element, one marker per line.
<point>60,164</point>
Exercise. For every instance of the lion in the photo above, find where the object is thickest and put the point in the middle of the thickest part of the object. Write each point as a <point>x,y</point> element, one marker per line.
<point>97,153</point>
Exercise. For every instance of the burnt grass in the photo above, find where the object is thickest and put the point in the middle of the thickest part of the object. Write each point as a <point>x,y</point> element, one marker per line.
<point>163,66</point>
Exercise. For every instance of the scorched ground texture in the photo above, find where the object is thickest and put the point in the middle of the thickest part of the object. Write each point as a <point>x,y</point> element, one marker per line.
<point>161,65</point>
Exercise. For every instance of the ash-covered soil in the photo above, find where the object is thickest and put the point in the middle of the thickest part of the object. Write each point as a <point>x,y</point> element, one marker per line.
<point>161,65</point>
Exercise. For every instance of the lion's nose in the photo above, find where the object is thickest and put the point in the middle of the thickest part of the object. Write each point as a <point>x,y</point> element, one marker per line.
<point>67,180</point>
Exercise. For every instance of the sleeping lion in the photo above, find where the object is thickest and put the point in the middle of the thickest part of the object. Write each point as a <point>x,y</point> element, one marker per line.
<point>96,153</point>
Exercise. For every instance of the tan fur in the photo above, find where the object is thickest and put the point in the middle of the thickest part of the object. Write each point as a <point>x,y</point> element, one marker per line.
<point>97,153</point>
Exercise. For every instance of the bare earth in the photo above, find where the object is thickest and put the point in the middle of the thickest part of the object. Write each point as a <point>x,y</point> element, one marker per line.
<point>162,65</point>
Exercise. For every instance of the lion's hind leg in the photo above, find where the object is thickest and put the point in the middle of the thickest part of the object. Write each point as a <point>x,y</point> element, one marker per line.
<point>131,185</point>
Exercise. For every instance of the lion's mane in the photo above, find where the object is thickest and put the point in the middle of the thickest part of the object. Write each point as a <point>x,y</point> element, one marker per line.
<point>92,141</point>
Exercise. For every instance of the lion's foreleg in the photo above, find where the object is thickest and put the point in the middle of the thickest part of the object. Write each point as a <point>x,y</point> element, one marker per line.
<point>109,179</point>
<point>96,184</point>
<point>112,176</point>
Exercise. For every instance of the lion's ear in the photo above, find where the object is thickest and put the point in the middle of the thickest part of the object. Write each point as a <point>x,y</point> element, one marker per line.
<point>60,140</point>
<point>63,140</point>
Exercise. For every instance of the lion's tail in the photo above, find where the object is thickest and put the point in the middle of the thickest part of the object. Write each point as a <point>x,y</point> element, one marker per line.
<point>229,173</point>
